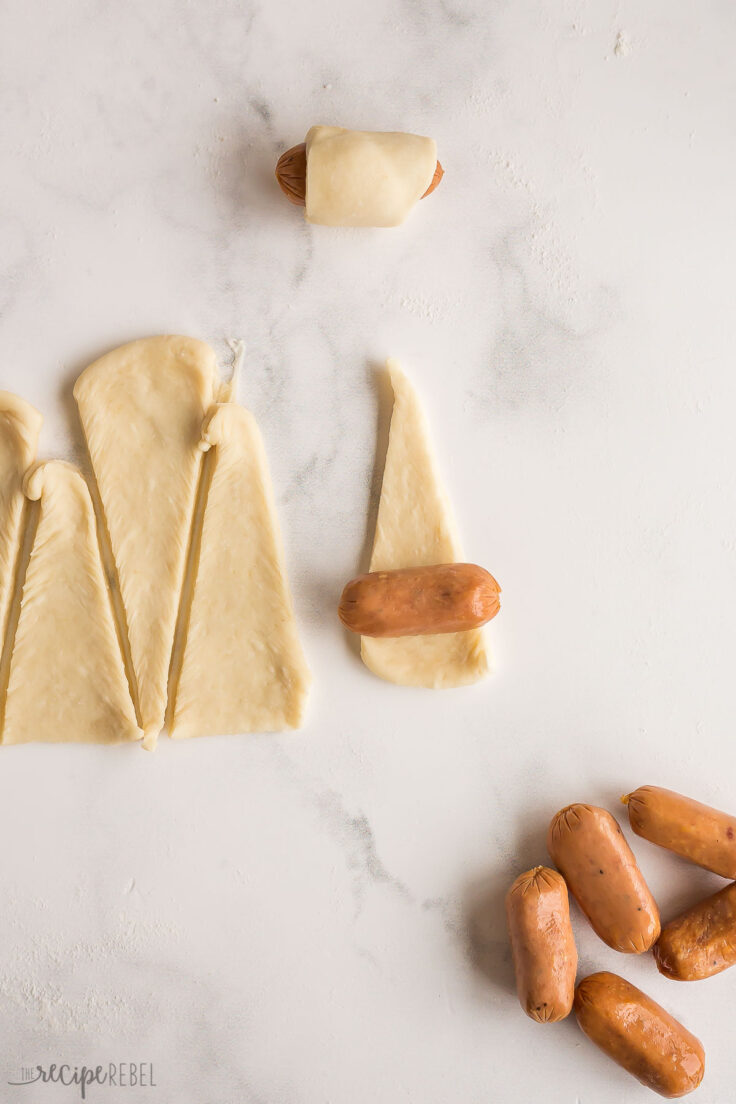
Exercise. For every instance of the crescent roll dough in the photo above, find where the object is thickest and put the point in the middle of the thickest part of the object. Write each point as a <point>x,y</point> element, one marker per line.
<point>365,178</point>
<point>142,407</point>
<point>20,425</point>
<point>414,528</point>
<point>243,669</point>
<point>67,681</point>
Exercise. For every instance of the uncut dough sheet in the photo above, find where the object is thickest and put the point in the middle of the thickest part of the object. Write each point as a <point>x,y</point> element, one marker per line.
<point>414,528</point>
<point>20,425</point>
<point>67,681</point>
<point>365,178</point>
<point>142,408</point>
<point>242,668</point>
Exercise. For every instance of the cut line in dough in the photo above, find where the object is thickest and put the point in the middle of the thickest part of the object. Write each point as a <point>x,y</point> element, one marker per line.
<point>242,668</point>
<point>20,426</point>
<point>66,680</point>
<point>142,407</point>
<point>415,528</point>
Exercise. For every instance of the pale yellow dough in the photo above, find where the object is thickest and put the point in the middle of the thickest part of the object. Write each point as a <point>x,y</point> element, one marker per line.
<point>414,528</point>
<point>67,682</point>
<point>142,407</point>
<point>365,178</point>
<point>20,425</point>
<point>243,669</point>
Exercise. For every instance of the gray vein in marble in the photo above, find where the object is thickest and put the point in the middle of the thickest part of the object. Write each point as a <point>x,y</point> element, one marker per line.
<point>310,472</point>
<point>357,837</point>
<point>352,830</point>
<point>455,16</point>
<point>449,910</point>
<point>304,261</point>
<point>262,109</point>
<point>312,475</point>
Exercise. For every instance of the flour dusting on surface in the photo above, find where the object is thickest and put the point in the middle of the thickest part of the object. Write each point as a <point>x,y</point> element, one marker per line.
<point>430,310</point>
<point>66,987</point>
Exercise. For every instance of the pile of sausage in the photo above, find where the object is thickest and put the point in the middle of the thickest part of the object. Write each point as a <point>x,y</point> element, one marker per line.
<point>598,867</point>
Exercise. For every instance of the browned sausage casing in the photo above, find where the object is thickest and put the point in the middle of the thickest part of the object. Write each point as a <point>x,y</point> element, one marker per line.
<point>637,1033</point>
<point>702,941</point>
<point>698,833</point>
<point>542,944</point>
<point>588,846</point>
<point>414,601</point>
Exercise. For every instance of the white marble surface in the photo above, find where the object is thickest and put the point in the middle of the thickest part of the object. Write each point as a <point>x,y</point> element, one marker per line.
<point>294,920</point>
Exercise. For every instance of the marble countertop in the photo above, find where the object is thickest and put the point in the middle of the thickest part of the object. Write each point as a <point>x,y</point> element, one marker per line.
<point>316,918</point>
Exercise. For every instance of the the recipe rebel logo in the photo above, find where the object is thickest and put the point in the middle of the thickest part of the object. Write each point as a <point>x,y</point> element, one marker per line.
<point>112,1075</point>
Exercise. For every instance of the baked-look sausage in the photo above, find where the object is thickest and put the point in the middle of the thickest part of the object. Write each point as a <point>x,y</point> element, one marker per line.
<point>542,944</point>
<point>700,942</point>
<point>697,832</point>
<point>415,601</point>
<point>637,1033</point>
<point>588,847</point>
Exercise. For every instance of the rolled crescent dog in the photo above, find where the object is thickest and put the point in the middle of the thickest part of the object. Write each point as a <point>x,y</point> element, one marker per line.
<point>639,1035</point>
<point>696,832</point>
<point>417,601</point>
<point>700,942</point>
<point>358,178</point>
<point>542,944</point>
<point>588,847</point>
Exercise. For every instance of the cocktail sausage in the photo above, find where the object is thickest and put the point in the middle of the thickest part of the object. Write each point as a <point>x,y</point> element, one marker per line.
<point>588,847</point>
<point>636,1032</point>
<point>697,832</point>
<point>542,944</point>
<point>415,601</point>
<point>702,941</point>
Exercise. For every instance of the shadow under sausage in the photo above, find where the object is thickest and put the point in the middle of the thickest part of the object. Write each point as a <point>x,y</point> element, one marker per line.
<point>487,943</point>
<point>484,909</point>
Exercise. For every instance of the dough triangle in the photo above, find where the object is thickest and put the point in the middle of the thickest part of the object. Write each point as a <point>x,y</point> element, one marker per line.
<point>242,669</point>
<point>67,681</point>
<point>20,425</point>
<point>142,407</point>
<point>414,528</point>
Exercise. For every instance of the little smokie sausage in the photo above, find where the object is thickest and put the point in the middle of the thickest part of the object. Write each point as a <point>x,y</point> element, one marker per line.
<point>588,847</point>
<point>702,941</point>
<point>637,1033</point>
<point>698,833</point>
<point>415,601</point>
<point>542,944</point>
